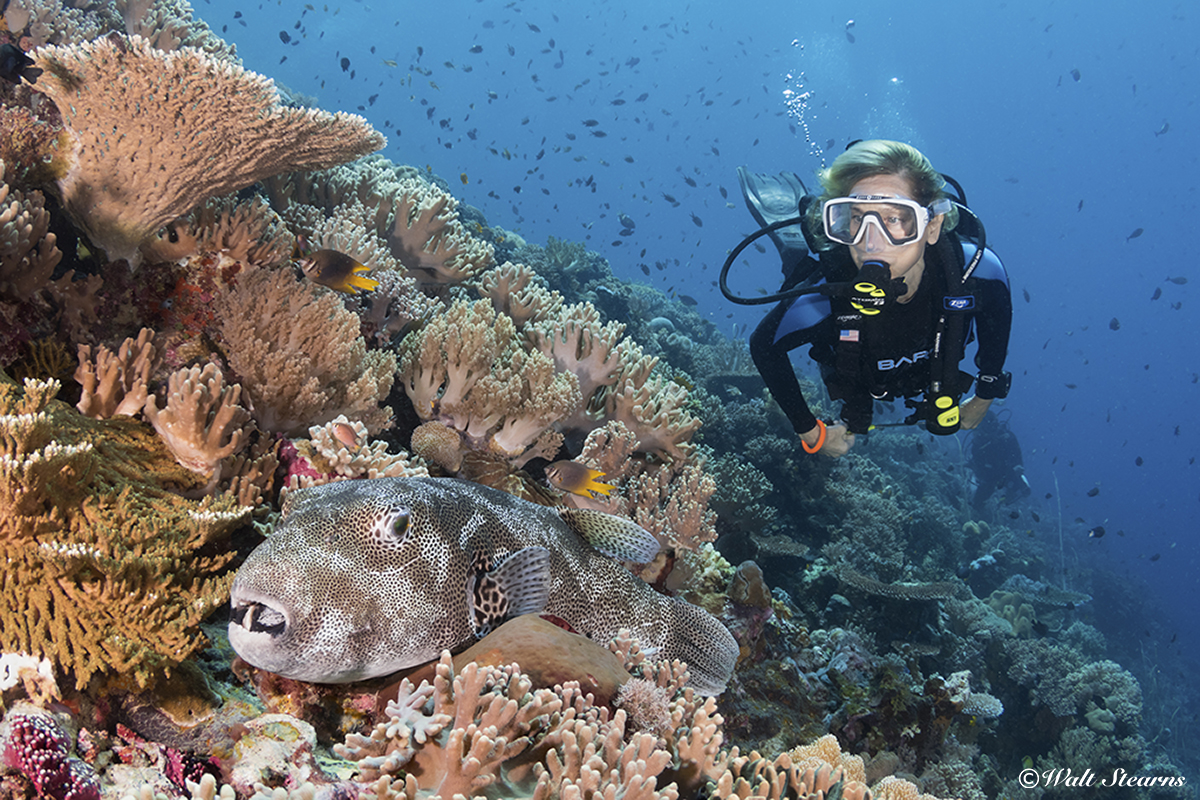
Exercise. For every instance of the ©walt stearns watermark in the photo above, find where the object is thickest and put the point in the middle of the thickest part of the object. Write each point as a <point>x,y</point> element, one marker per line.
<point>1032,778</point>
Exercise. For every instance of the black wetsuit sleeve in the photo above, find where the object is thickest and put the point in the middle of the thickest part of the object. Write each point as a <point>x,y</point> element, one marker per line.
<point>994,322</point>
<point>771,358</point>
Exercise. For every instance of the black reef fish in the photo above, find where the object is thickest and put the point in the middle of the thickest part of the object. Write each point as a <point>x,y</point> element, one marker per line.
<point>14,65</point>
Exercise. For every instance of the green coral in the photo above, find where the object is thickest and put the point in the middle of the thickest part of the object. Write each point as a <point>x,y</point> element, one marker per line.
<point>109,571</point>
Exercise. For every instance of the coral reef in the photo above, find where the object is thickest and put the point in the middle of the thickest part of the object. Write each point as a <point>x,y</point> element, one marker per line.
<point>109,571</point>
<point>861,582</point>
<point>297,352</point>
<point>125,103</point>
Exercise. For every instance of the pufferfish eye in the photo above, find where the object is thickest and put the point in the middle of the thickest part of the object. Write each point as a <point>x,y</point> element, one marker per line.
<point>400,525</point>
<point>389,529</point>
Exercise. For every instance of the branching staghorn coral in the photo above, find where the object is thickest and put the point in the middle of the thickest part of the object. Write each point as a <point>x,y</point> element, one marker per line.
<point>668,499</point>
<point>483,732</point>
<point>153,134</point>
<point>372,182</point>
<point>108,571</point>
<point>297,353</point>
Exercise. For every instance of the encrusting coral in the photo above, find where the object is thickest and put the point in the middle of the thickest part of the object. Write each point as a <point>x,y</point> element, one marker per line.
<point>152,134</point>
<point>107,570</point>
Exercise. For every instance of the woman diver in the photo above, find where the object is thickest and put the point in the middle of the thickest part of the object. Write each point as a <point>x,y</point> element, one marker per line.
<point>884,290</point>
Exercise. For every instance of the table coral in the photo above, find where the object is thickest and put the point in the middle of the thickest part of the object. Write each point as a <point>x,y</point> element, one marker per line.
<point>153,133</point>
<point>108,571</point>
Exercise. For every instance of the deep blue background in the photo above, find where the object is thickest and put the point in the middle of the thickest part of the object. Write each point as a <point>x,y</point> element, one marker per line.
<point>1062,170</point>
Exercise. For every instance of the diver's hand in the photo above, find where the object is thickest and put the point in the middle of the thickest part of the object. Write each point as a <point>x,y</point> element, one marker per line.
<point>838,440</point>
<point>971,412</point>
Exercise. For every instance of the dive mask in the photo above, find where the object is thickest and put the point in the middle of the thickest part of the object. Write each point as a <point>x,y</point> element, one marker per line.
<point>900,220</point>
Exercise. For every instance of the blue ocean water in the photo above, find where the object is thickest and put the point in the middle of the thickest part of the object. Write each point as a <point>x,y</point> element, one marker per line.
<point>1071,127</point>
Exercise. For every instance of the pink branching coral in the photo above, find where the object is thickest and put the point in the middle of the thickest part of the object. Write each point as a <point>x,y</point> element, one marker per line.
<point>153,134</point>
<point>36,745</point>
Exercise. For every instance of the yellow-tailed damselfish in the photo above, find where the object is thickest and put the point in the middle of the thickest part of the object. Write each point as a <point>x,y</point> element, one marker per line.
<point>336,270</point>
<point>573,477</point>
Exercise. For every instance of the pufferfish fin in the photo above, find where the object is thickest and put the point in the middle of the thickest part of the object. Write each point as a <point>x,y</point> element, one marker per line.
<point>519,585</point>
<point>614,536</point>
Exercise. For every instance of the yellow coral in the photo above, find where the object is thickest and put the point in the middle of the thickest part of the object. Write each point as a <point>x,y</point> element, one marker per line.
<point>107,571</point>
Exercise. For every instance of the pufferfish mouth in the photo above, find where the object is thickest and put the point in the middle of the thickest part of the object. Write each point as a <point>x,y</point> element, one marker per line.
<point>258,618</point>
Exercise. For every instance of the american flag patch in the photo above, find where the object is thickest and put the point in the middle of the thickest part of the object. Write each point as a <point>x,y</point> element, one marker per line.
<point>849,336</point>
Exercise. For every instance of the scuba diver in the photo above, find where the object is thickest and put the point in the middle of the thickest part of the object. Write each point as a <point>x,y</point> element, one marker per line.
<point>995,458</point>
<point>885,290</point>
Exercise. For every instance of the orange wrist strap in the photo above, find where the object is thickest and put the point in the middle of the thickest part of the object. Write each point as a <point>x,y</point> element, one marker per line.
<point>820,440</point>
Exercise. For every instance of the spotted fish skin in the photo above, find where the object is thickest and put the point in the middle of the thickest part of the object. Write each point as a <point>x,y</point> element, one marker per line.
<point>363,578</point>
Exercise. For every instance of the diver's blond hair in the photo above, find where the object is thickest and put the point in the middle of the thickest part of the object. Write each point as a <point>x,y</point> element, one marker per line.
<point>872,157</point>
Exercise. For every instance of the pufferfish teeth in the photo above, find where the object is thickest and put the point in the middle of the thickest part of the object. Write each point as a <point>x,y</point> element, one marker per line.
<point>258,618</point>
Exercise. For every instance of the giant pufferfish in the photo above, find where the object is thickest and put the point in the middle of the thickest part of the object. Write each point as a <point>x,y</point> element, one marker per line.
<point>363,578</point>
